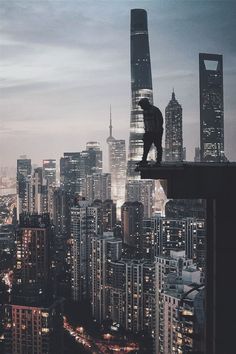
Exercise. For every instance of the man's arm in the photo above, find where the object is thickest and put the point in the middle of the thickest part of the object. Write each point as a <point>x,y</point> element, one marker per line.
<point>159,118</point>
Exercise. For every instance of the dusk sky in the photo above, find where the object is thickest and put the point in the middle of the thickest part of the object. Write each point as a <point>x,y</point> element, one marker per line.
<point>64,62</point>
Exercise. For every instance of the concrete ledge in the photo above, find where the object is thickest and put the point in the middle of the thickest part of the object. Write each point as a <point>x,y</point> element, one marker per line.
<point>190,180</point>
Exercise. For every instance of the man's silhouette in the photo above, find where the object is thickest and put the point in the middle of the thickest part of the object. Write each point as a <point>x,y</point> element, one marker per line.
<point>153,126</point>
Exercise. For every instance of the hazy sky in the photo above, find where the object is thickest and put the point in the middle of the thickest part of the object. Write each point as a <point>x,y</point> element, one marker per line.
<point>64,62</point>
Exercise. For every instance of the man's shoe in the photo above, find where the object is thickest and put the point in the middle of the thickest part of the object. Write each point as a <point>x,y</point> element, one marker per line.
<point>142,163</point>
<point>157,163</point>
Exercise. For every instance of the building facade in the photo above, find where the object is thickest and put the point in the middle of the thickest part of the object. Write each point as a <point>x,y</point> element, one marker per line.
<point>211,107</point>
<point>173,131</point>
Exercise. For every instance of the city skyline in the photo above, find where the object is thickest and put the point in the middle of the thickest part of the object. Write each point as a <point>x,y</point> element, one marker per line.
<point>55,67</point>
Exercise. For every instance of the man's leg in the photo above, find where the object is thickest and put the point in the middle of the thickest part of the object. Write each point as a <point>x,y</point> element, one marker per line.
<point>158,144</point>
<point>147,143</point>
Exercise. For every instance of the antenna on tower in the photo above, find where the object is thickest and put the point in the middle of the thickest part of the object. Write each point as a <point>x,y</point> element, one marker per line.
<point>110,138</point>
<point>110,126</point>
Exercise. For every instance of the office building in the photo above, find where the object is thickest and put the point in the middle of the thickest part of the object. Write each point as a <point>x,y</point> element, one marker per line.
<point>70,175</point>
<point>23,185</point>
<point>211,107</point>
<point>38,193</point>
<point>49,174</point>
<point>94,164</point>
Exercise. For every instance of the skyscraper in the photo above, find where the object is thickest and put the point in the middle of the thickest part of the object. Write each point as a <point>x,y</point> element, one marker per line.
<point>49,171</point>
<point>70,173</point>
<point>23,185</point>
<point>98,186</point>
<point>33,319</point>
<point>104,249</point>
<point>84,224</point>
<point>117,167</point>
<point>173,131</point>
<point>211,107</point>
<point>49,174</point>
<point>131,224</point>
<point>141,85</point>
<point>38,193</point>
<point>94,164</point>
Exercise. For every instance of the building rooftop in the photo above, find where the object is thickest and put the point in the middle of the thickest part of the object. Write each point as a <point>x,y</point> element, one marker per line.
<point>190,180</point>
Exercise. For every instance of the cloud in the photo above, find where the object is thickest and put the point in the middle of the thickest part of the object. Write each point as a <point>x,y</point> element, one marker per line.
<point>64,62</point>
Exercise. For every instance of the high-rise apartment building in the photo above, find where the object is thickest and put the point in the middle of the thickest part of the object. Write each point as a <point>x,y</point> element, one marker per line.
<point>32,274</point>
<point>131,224</point>
<point>171,235</point>
<point>33,319</point>
<point>37,330</point>
<point>195,243</point>
<point>84,225</point>
<point>211,107</point>
<point>61,222</point>
<point>104,249</point>
<point>173,131</point>
<point>132,295</point>
<point>22,185</point>
<point>98,186</point>
<point>176,287</point>
<point>165,265</point>
<point>189,322</point>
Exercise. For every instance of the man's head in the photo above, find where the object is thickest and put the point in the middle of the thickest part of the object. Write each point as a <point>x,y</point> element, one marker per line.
<point>144,103</point>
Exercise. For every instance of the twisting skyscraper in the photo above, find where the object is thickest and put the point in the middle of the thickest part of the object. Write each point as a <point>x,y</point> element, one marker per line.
<point>211,107</point>
<point>141,85</point>
<point>174,131</point>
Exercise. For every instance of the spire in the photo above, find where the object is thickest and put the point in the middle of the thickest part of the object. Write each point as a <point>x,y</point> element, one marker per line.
<point>110,138</point>
<point>173,94</point>
<point>110,126</point>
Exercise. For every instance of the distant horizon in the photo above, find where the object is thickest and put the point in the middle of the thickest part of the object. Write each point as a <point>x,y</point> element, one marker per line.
<point>65,63</point>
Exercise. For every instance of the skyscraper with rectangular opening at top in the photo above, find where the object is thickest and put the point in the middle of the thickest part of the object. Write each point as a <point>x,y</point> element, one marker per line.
<point>211,107</point>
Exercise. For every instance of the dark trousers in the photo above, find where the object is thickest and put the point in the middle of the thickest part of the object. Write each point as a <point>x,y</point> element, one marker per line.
<point>148,140</point>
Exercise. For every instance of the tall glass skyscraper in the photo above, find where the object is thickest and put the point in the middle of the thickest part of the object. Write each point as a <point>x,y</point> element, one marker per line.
<point>141,86</point>
<point>211,107</point>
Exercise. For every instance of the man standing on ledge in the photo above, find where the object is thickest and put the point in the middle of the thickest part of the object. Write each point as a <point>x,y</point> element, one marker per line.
<point>153,126</point>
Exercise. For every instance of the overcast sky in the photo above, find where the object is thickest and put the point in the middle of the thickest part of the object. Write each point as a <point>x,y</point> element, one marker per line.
<point>64,62</point>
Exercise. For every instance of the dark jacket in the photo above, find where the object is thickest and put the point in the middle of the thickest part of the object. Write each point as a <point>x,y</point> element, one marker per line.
<point>153,120</point>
